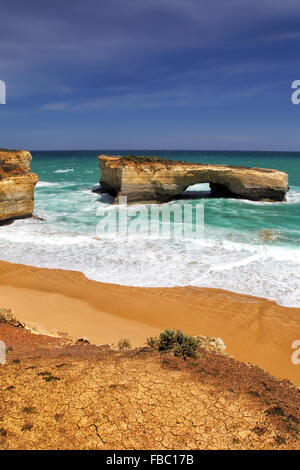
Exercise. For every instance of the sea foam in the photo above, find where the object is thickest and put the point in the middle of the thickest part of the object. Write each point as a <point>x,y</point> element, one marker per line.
<point>45,184</point>
<point>67,170</point>
<point>272,272</point>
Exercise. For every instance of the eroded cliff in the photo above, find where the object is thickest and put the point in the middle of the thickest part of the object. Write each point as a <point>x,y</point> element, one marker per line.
<point>16,185</point>
<point>146,179</point>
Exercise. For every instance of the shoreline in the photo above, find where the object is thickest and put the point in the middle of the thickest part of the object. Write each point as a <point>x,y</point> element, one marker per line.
<point>255,330</point>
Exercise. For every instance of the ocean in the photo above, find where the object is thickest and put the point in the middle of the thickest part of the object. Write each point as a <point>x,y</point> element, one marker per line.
<point>248,247</point>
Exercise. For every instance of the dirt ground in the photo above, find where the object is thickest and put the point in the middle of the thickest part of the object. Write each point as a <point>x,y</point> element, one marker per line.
<point>56,395</point>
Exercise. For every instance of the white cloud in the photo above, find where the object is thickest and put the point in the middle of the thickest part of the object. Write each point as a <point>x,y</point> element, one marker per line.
<point>58,106</point>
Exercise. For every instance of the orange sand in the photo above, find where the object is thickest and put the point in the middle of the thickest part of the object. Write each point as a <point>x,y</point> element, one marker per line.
<point>255,330</point>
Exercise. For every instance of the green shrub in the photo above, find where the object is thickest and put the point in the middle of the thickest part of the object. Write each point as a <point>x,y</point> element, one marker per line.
<point>152,342</point>
<point>50,378</point>
<point>180,344</point>
<point>186,346</point>
<point>275,411</point>
<point>280,440</point>
<point>148,159</point>
<point>167,340</point>
<point>124,343</point>
<point>29,409</point>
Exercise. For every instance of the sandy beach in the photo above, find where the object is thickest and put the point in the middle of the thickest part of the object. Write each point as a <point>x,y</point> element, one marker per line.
<point>255,330</point>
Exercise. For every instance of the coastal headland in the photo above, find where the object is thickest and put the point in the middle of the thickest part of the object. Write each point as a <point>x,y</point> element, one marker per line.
<point>17,185</point>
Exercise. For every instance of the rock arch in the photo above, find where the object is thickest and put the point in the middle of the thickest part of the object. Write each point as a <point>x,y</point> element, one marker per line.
<point>150,179</point>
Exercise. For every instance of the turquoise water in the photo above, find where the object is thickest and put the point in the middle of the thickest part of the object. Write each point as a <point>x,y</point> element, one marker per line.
<point>248,247</point>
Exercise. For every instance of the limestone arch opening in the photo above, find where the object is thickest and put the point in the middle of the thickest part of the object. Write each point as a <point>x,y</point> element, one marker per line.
<point>206,190</point>
<point>197,191</point>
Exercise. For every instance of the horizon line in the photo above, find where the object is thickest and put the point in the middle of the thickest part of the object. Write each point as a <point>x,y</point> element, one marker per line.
<point>157,150</point>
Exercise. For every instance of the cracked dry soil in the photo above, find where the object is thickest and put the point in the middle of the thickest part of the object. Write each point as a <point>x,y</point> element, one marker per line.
<point>64,396</point>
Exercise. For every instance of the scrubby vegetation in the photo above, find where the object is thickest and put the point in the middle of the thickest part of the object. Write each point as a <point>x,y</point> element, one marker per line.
<point>177,342</point>
<point>124,343</point>
<point>29,409</point>
<point>275,411</point>
<point>148,159</point>
<point>152,342</point>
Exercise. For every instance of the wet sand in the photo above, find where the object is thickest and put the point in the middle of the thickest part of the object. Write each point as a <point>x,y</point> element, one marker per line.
<point>255,330</point>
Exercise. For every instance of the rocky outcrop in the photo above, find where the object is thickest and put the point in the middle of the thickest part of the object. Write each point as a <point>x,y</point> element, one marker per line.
<point>150,179</point>
<point>211,344</point>
<point>8,317</point>
<point>16,185</point>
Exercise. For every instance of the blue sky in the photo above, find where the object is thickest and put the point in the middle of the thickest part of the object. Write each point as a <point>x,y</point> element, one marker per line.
<point>150,74</point>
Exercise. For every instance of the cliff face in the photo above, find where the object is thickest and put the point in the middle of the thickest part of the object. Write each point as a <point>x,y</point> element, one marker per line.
<point>145,180</point>
<point>16,185</point>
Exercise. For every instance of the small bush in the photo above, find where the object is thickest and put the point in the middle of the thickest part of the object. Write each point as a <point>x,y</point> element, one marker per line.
<point>124,343</point>
<point>51,378</point>
<point>29,409</point>
<point>148,159</point>
<point>47,376</point>
<point>186,346</point>
<point>167,340</point>
<point>27,427</point>
<point>152,342</point>
<point>275,411</point>
<point>180,344</point>
<point>280,440</point>
<point>254,393</point>
<point>259,430</point>
<point>63,334</point>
